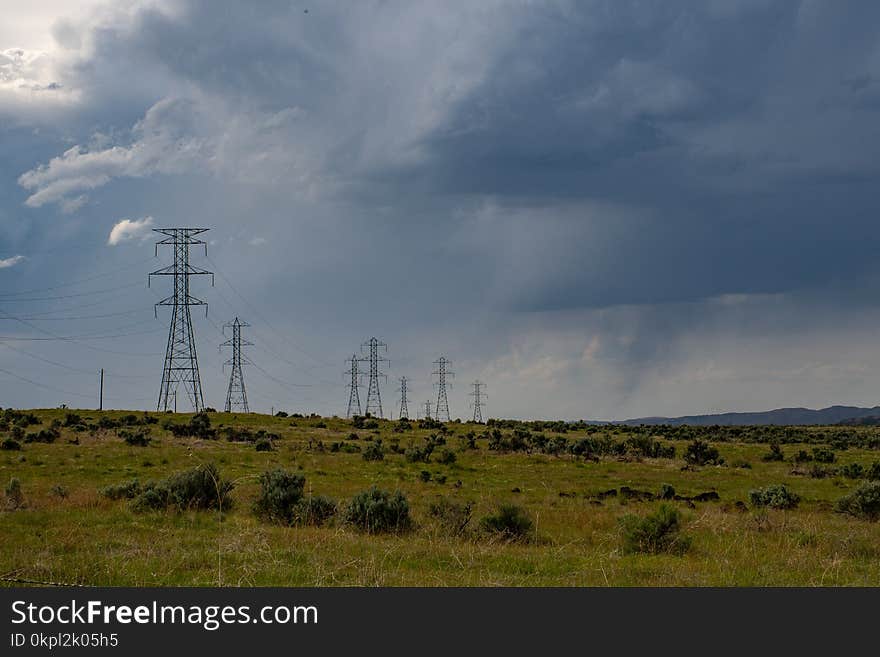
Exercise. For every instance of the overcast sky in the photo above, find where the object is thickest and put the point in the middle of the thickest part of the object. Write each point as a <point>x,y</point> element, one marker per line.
<point>601,209</point>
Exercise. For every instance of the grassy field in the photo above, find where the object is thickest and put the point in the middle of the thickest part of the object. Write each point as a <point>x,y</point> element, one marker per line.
<point>68,532</point>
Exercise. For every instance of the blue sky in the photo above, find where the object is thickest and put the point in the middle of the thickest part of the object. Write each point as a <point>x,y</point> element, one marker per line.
<point>601,209</point>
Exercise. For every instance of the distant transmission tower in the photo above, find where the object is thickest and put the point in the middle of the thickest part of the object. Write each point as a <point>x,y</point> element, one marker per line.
<point>181,364</point>
<point>442,402</point>
<point>354,397</point>
<point>404,410</point>
<point>374,398</point>
<point>428,409</point>
<point>477,404</point>
<point>236,395</point>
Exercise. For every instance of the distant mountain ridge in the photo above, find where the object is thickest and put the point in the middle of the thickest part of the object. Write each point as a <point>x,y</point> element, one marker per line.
<point>779,416</point>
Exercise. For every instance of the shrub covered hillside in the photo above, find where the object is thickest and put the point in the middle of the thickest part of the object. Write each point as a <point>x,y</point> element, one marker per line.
<point>134,498</point>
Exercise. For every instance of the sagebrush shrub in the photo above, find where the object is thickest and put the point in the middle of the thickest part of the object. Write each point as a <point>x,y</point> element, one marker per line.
<point>280,492</point>
<point>863,502</point>
<point>852,471</point>
<point>509,521</point>
<point>776,496</point>
<point>10,444</point>
<point>824,455</point>
<point>654,533</point>
<point>775,453</point>
<point>699,452</point>
<point>447,457</point>
<point>452,517</point>
<point>314,510</point>
<point>135,438</point>
<point>199,488</point>
<point>42,436</point>
<point>152,496</point>
<point>378,511</point>
<point>373,452</point>
<point>126,490</point>
<point>264,445</point>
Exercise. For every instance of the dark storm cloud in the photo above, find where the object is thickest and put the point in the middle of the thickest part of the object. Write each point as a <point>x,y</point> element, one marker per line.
<point>494,166</point>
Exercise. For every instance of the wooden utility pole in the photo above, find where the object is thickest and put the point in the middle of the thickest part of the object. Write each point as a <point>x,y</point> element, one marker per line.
<point>101,393</point>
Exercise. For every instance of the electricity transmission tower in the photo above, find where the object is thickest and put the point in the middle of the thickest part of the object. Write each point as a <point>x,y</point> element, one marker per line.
<point>181,363</point>
<point>428,409</point>
<point>354,398</point>
<point>477,404</point>
<point>404,410</point>
<point>236,395</point>
<point>374,398</point>
<point>442,402</point>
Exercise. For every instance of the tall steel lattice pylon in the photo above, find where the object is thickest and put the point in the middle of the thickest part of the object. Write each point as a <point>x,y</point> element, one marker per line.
<point>181,363</point>
<point>404,410</point>
<point>354,397</point>
<point>374,397</point>
<point>442,402</point>
<point>427,409</point>
<point>477,404</point>
<point>236,395</point>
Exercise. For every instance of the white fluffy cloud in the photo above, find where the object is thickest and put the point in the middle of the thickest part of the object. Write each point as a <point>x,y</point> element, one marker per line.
<point>126,230</point>
<point>11,262</point>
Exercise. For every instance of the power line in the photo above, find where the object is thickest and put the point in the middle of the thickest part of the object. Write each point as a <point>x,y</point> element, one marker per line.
<point>68,338</point>
<point>264,345</point>
<point>267,323</point>
<point>77,281</point>
<point>40,317</point>
<point>53,388</point>
<point>69,367</point>
<point>74,296</point>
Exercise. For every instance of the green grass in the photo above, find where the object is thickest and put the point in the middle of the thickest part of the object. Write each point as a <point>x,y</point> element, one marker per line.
<point>87,539</point>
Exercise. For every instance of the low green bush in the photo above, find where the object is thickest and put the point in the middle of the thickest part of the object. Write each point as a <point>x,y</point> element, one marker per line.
<point>10,444</point>
<point>452,517</point>
<point>446,457</point>
<point>264,445</point>
<point>376,511</point>
<point>134,438</point>
<point>280,493</point>
<point>775,453</point>
<point>776,496</point>
<point>373,452</point>
<point>200,488</point>
<point>699,452</point>
<point>823,455</point>
<point>126,490</point>
<point>509,521</point>
<point>314,510</point>
<point>852,471</point>
<point>863,502</point>
<point>655,533</point>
